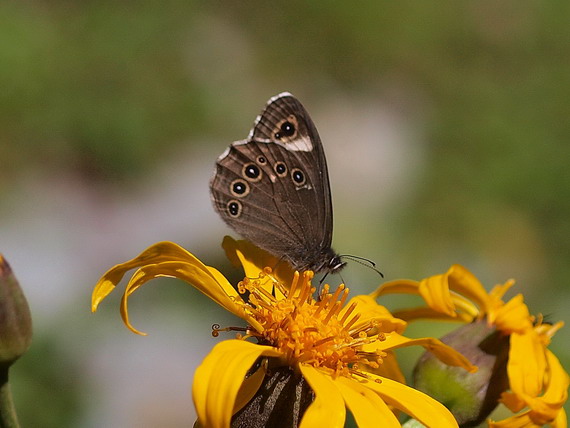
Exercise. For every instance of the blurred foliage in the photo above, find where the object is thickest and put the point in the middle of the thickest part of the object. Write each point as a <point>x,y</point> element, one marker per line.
<point>98,87</point>
<point>104,88</point>
<point>47,380</point>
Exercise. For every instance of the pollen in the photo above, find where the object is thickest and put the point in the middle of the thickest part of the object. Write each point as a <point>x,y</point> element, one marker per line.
<point>308,330</point>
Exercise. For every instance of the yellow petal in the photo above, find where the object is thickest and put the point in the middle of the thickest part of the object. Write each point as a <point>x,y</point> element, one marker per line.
<point>328,407</point>
<point>389,368</point>
<point>512,401</point>
<point>253,260</point>
<point>452,293</point>
<point>498,291</point>
<point>249,387</point>
<point>219,378</point>
<point>561,421</point>
<point>547,331</point>
<point>521,420</point>
<point>557,389</point>
<point>443,352</point>
<point>399,286</point>
<point>429,314</point>
<point>411,401</point>
<point>527,364</point>
<point>368,409</point>
<point>462,281</point>
<point>369,310</point>
<point>157,253</point>
<point>195,274</point>
<point>512,316</point>
<point>545,409</point>
<point>435,291</point>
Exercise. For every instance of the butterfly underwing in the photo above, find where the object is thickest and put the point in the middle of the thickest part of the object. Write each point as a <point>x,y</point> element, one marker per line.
<point>273,188</point>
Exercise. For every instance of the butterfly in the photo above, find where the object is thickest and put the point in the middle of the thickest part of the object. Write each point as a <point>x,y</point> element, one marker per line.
<point>273,188</point>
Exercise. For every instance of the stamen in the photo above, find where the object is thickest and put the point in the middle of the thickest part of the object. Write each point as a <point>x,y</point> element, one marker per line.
<point>322,304</point>
<point>304,329</point>
<point>305,290</point>
<point>322,341</point>
<point>324,291</point>
<point>262,303</point>
<point>347,313</point>
<point>216,329</point>
<point>351,322</point>
<point>343,298</point>
<point>241,287</point>
<point>331,312</point>
<point>293,285</point>
<point>280,287</point>
<point>338,291</point>
<point>362,329</point>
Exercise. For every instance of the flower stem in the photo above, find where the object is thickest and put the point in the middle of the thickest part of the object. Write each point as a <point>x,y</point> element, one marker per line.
<point>8,417</point>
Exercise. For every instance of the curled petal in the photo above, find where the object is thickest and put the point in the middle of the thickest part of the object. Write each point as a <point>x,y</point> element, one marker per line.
<point>547,408</point>
<point>161,251</point>
<point>463,282</point>
<point>448,294</point>
<point>155,254</point>
<point>198,275</point>
<point>214,389</point>
<point>435,291</point>
<point>399,286</point>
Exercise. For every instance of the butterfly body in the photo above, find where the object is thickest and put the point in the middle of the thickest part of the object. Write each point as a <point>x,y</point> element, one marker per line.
<point>273,188</point>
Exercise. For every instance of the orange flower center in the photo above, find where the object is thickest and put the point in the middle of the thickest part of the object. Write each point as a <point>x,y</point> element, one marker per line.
<point>305,330</point>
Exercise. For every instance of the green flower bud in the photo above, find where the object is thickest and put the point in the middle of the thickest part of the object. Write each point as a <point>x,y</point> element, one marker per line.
<point>471,397</point>
<point>15,318</point>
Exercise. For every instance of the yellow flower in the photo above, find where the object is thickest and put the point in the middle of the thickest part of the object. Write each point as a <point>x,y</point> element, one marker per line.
<point>328,340</point>
<point>537,380</point>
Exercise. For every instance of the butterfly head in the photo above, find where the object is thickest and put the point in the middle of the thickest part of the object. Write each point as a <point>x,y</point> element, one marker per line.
<point>336,264</point>
<point>329,262</point>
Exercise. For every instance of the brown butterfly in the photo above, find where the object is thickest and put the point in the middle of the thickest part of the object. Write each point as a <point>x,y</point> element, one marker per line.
<point>273,188</point>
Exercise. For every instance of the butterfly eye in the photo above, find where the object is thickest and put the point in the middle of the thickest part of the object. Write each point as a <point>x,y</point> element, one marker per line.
<point>234,208</point>
<point>251,172</point>
<point>298,176</point>
<point>239,188</point>
<point>280,169</point>
<point>287,129</point>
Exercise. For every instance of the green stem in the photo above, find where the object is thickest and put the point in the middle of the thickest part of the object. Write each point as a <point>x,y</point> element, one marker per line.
<point>8,416</point>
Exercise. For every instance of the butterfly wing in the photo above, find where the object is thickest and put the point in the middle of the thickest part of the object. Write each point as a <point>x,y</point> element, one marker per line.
<point>273,187</point>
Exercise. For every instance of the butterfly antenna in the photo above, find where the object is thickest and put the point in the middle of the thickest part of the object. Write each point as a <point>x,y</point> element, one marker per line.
<point>323,279</point>
<point>363,261</point>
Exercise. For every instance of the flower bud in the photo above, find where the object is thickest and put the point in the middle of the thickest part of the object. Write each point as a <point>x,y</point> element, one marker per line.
<point>15,318</point>
<point>471,397</point>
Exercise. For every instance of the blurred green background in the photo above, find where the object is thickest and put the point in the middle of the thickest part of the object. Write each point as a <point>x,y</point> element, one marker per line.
<point>446,130</point>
